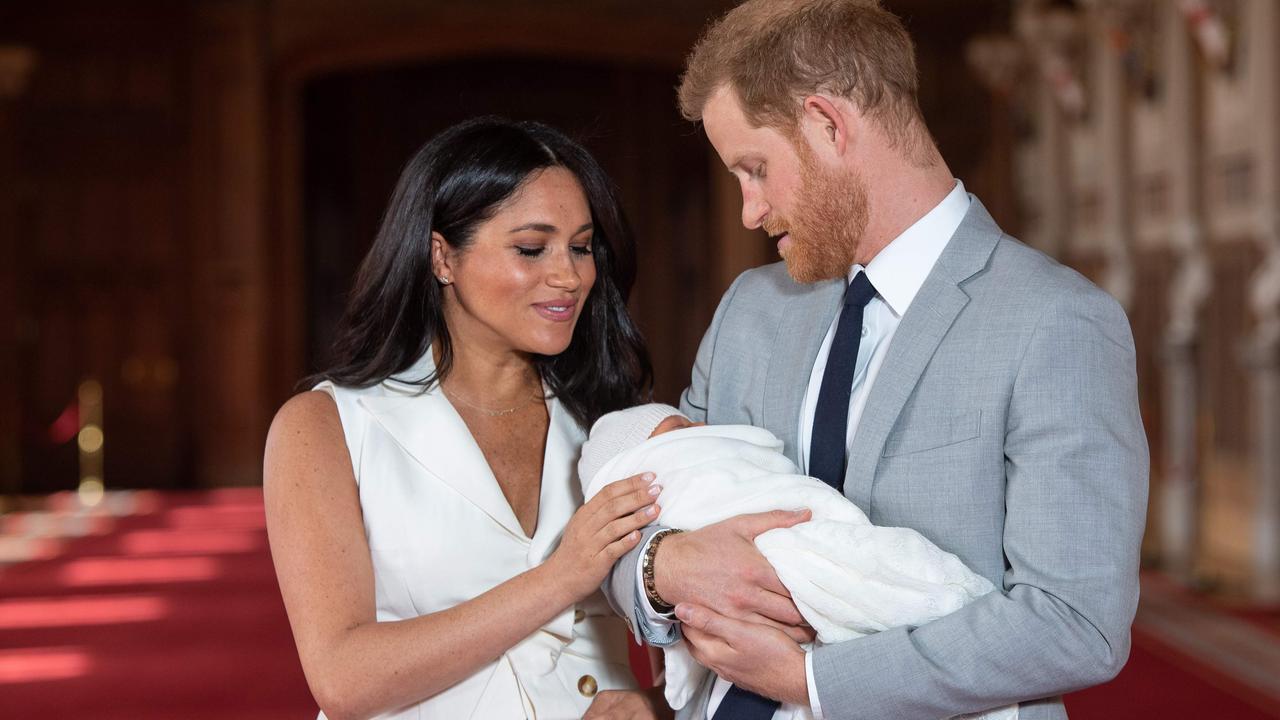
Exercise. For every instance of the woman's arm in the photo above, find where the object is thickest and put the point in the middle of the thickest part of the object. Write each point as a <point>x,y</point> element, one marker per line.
<point>357,667</point>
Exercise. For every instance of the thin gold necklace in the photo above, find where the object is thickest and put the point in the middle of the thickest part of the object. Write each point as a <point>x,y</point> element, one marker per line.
<point>487,411</point>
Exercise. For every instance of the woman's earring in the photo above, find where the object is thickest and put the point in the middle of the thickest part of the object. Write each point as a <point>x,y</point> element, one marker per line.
<point>444,280</point>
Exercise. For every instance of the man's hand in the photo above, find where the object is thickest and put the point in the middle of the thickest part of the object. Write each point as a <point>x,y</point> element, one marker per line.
<point>719,567</point>
<point>629,705</point>
<point>761,659</point>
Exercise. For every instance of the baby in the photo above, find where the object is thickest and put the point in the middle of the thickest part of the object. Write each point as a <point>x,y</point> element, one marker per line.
<point>848,577</point>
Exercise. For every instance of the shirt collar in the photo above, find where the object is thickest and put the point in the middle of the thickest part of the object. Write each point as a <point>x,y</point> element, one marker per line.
<point>898,271</point>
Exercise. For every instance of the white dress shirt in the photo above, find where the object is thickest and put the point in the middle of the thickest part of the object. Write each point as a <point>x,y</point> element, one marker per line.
<point>896,272</point>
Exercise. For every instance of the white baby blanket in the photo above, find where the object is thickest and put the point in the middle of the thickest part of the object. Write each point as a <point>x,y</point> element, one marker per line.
<point>848,577</point>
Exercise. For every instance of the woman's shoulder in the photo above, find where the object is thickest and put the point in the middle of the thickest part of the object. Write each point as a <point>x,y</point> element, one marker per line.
<point>310,412</point>
<point>305,434</point>
<point>327,408</point>
<point>347,398</point>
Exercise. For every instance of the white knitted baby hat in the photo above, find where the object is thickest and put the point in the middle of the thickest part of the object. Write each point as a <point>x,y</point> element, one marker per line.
<point>617,432</point>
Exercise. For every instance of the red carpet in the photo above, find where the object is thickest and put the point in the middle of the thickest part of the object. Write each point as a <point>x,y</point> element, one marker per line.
<point>1159,682</point>
<point>174,613</point>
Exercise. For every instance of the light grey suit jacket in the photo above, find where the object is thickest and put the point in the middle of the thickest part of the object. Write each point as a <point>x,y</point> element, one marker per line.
<point>1004,426</point>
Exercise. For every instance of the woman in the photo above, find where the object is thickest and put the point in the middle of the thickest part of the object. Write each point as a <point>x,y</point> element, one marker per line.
<point>421,500</point>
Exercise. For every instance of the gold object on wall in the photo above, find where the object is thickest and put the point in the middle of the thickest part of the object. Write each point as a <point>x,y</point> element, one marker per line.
<point>91,441</point>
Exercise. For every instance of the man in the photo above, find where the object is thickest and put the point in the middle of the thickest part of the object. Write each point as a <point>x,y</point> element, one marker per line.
<point>946,377</point>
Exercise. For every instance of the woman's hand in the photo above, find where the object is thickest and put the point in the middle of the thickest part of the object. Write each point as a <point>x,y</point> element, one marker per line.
<point>602,531</point>
<point>629,705</point>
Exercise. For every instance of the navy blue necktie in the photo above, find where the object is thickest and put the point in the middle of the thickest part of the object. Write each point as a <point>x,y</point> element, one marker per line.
<point>829,439</point>
<point>742,704</point>
<point>826,451</point>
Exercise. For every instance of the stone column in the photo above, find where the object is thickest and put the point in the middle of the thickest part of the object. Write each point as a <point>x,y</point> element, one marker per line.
<point>1112,108</point>
<point>998,60</point>
<point>229,190</point>
<point>1039,35</point>
<point>1190,288</point>
<point>1262,21</point>
<point>1265,369</point>
<point>1055,230</point>
<point>16,64</point>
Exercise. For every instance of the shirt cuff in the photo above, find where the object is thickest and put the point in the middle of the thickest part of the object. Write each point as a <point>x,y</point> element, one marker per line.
<point>655,628</point>
<point>814,705</point>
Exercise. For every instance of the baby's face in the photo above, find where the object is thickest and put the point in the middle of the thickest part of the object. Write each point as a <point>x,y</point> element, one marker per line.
<point>674,422</point>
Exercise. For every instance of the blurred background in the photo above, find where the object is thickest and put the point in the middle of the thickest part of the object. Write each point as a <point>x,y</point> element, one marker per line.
<point>187,186</point>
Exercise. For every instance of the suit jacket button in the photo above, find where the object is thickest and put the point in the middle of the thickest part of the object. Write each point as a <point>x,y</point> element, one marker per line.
<point>587,686</point>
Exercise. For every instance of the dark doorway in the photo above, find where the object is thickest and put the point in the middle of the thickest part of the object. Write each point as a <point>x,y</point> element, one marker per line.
<point>361,127</point>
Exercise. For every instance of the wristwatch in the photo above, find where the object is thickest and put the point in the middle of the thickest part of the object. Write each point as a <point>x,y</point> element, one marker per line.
<point>646,572</point>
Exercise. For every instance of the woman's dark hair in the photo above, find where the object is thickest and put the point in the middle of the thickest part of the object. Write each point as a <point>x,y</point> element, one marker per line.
<point>454,183</point>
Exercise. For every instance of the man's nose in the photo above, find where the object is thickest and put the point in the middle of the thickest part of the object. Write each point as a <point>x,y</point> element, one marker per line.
<point>754,210</point>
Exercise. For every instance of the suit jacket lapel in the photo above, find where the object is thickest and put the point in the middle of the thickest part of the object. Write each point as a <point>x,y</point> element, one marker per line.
<point>926,322</point>
<point>804,322</point>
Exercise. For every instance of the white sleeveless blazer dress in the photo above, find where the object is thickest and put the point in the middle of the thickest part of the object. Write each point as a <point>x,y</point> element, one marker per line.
<point>440,533</point>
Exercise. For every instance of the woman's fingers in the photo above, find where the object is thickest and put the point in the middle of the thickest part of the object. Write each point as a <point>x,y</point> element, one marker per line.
<point>629,522</point>
<point>619,488</point>
<point>607,527</point>
<point>622,497</point>
<point>622,546</point>
<point>627,504</point>
<point>629,499</point>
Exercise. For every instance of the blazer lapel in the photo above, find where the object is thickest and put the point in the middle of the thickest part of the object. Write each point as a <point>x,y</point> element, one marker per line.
<point>561,492</point>
<point>931,314</point>
<point>804,323</point>
<point>429,430</point>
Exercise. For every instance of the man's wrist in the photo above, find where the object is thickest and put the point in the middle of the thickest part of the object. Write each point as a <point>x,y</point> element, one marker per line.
<point>796,689</point>
<point>648,562</point>
<point>664,581</point>
<point>815,707</point>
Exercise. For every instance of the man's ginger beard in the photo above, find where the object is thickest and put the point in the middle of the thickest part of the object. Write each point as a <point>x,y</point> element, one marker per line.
<point>827,223</point>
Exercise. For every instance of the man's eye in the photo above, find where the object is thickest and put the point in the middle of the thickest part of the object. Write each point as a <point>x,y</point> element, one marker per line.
<point>528,251</point>
<point>758,171</point>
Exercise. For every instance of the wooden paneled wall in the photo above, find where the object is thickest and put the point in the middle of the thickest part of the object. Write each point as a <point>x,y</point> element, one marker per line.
<point>98,221</point>
<point>160,231</point>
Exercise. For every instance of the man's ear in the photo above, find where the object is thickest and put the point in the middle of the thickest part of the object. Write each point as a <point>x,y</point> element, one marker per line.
<point>440,255</point>
<point>827,125</point>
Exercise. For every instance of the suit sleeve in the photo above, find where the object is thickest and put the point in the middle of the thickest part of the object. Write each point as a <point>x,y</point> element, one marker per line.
<point>620,586</point>
<point>1076,467</point>
<point>694,402</point>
